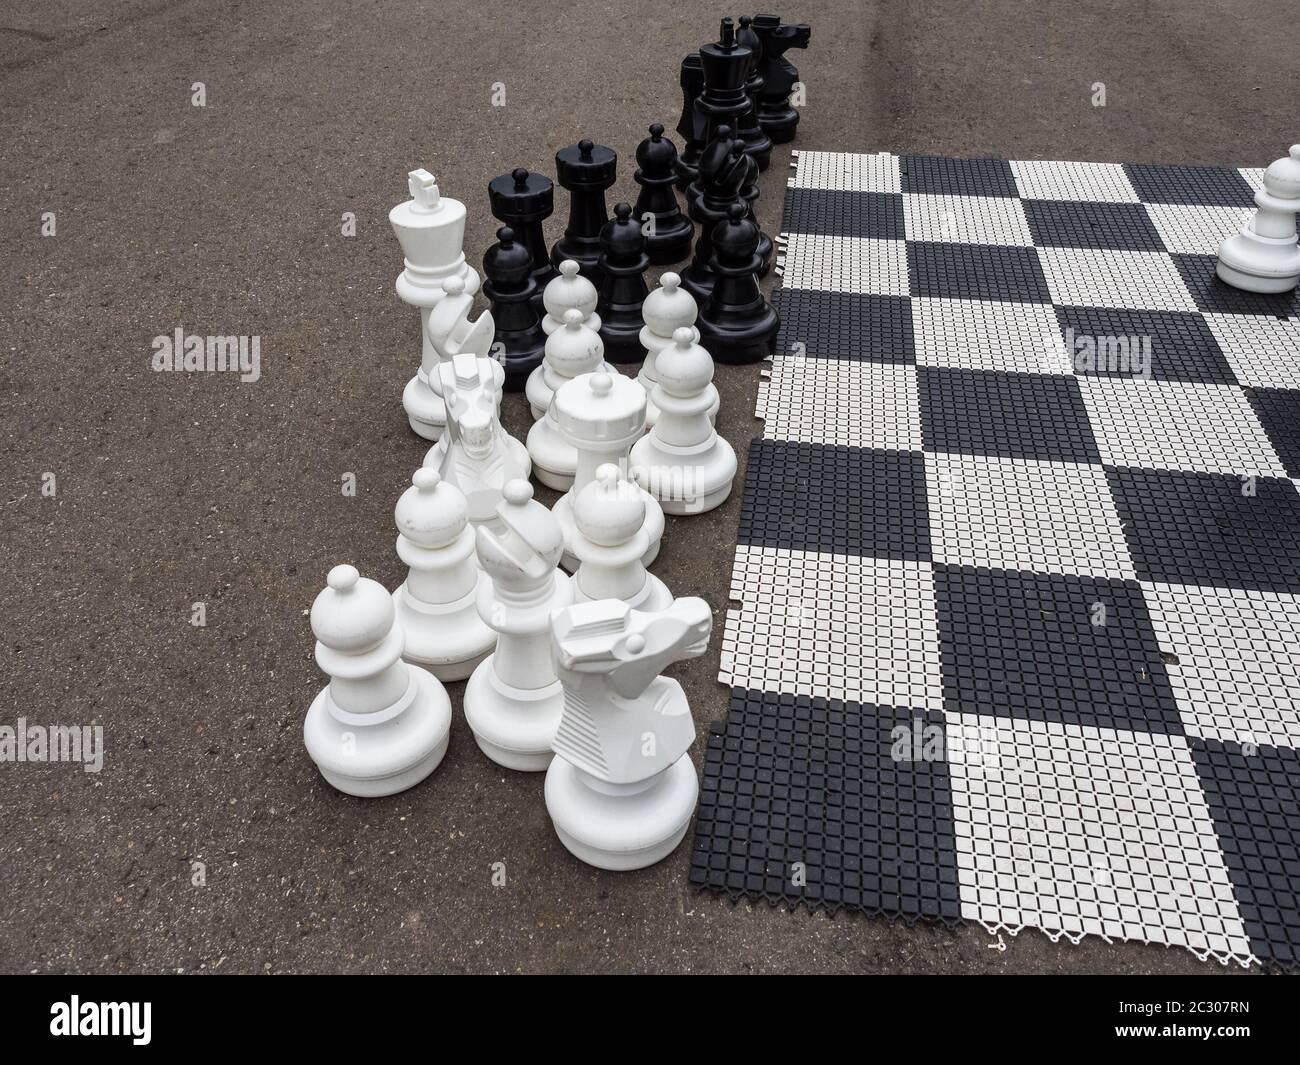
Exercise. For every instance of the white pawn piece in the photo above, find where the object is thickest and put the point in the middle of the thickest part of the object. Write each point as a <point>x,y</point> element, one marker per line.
<point>610,515</point>
<point>513,701</point>
<point>684,463</point>
<point>437,606</point>
<point>480,457</point>
<point>667,309</point>
<point>622,787</point>
<point>381,725</point>
<point>601,415</point>
<point>569,290</point>
<point>431,230</point>
<point>1264,256</point>
<point>572,350</point>
<point>451,333</point>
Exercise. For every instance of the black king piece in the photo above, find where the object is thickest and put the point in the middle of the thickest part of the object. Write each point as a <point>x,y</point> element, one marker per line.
<point>723,100</point>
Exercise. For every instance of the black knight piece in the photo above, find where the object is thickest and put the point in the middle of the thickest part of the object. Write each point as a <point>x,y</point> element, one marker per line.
<point>778,74</point>
<point>737,325</point>
<point>508,283</point>
<point>586,170</point>
<point>670,231</point>
<point>523,201</point>
<point>692,81</point>
<point>622,287</point>
<point>723,100</point>
<point>724,169</point>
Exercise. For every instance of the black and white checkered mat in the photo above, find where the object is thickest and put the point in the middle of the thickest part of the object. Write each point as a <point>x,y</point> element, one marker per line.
<point>1018,578</point>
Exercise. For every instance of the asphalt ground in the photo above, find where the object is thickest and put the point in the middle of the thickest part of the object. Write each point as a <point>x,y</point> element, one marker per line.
<point>172,489</point>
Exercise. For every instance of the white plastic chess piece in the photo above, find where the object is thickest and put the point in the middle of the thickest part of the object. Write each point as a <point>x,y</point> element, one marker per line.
<point>610,516</point>
<point>451,333</point>
<point>381,725</point>
<point>667,309</point>
<point>437,606</point>
<point>684,463</point>
<point>480,457</point>
<point>431,230</point>
<point>1264,256</point>
<point>513,701</point>
<point>601,415</point>
<point>622,787</point>
<point>571,351</point>
<point>569,290</point>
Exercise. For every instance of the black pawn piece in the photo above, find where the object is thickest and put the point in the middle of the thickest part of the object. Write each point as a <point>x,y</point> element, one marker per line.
<point>690,125</point>
<point>757,143</point>
<point>723,100</point>
<point>724,169</point>
<point>668,239</point>
<point>508,283</point>
<point>779,75</point>
<point>737,325</point>
<point>586,170</point>
<point>522,201</point>
<point>622,287</point>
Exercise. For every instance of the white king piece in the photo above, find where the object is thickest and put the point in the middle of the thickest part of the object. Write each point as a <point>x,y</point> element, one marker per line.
<point>431,229</point>
<point>1264,256</point>
<point>621,788</point>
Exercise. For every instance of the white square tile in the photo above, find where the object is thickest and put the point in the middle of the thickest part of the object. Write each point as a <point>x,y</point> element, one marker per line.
<point>1090,277</point>
<point>841,401</point>
<point>846,264</point>
<point>1195,230</point>
<point>988,335</point>
<point>1263,350</point>
<point>847,171</point>
<point>966,220</point>
<point>1253,175</point>
<point>1040,179</point>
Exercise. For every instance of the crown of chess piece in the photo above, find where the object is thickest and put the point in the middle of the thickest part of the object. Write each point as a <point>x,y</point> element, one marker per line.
<point>757,143</point>
<point>601,415</point>
<point>724,169</point>
<point>520,341</point>
<point>723,100</point>
<point>1264,256</point>
<point>667,309</point>
<point>570,290</point>
<point>437,605</point>
<point>610,518</point>
<point>513,700</point>
<point>737,324</point>
<point>622,788</point>
<point>778,75</point>
<point>431,229</point>
<point>380,725</point>
<point>523,201</point>
<point>683,462</point>
<point>622,285</point>
<point>480,457</point>
<point>691,80</point>
<point>586,170</point>
<point>450,332</point>
<point>670,231</point>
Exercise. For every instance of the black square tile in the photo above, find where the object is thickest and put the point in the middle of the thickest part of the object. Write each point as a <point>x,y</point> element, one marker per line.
<point>845,500</point>
<point>1206,528</point>
<point>807,800</point>
<point>1253,797</point>
<point>1118,342</point>
<point>837,213</point>
<point>1213,186</point>
<point>1014,415</point>
<point>1218,297</point>
<point>1074,224</point>
<point>844,325</point>
<point>976,272</point>
<point>1051,647</point>
<point>939,175</point>
<point>1278,411</point>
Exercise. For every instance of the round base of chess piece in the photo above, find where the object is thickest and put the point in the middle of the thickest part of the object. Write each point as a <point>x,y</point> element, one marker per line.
<point>514,727</point>
<point>447,639</point>
<point>738,345</point>
<point>381,753</point>
<point>653,596</point>
<point>621,826</point>
<point>1254,263</point>
<point>555,460</point>
<point>622,341</point>
<point>779,123</point>
<point>671,245</point>
<point>424,408</point>
<point>653,527</point>
<point>685,480</point>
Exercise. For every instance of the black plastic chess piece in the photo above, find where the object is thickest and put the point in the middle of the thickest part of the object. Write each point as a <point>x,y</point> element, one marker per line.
<point>779,75</point>
<point>690,125</point>
<point>724,169</point>
<point>757,143</point>
<point>586,170</point>
<point>508,282</point>
<point>749,193</point>
<point>723,100</point>
<point>737,325</point>
<point>669,238</point>
<point>522,201</point>
<point>622,287</point>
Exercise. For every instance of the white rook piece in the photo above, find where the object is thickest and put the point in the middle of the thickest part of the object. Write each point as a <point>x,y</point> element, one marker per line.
<point>569,291</point>
<point>684,463</point>
<point>622,787</point>
<point>513,700</point>
<point>1264,256</point>
<point>381,725</point>
<point>438,603</point>
<point>431,230</point>
<point>610,516</point>
<point>667,309</point>
<point>601,415</point>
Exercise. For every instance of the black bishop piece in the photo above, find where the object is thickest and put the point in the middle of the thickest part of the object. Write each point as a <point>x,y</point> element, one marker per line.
<point>523,201</point>
<point>737,325</point>
<point>668,239</point>
<point>586,170</point>
<point>778,75</point>
<point>622,287</point>
<point>508,283</point>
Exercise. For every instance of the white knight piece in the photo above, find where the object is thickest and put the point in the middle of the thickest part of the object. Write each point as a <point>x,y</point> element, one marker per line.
<point>1265,256</point>
<point>450,333</point>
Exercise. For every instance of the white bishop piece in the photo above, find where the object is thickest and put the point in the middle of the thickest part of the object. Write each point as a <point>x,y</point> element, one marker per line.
<point>431,230</point>
<point>622,787</point>
<point>684,463</point>
<point>573,349</point>
<point>601,415</point>
<point>610,517</point>
<point>513,700</point>
<point>438,603</point>
<point>381,725</point>
<point>1264,256</point>
<point>451,333</point>
<point>569,291</point>
<point>667,309</point>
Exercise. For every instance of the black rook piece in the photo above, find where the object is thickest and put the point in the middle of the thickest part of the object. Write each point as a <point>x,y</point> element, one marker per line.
<point>757,143</point>
<point>669,240</point>
<point>692,81</point>
<point>523,201</point>
<point>778,74</point>
<point>586,170</point>
<point>622,288</point>
<point>737,325</point>
<point>508,283</point>
<point>723,100</point>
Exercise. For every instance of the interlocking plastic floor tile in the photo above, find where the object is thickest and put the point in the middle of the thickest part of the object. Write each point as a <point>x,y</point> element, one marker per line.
<point>845,264</point>
<point>842,325</point>
<point>988,335</point>
<point>966,220</point>
<point>1092,277</point>
<point>1161,345</point>
<point>940,175</point>
<point>1195,230</point>
<point>820,401</point>
<point>846,171</point>
<point>975,272</point>
<point>1278,410</point>
<point>1214,296</point>
<point>1039,179</point>
<point>1263,350</point>
<point>1212,185</point>
<point>1073,224</point>
<point>834,213</point>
